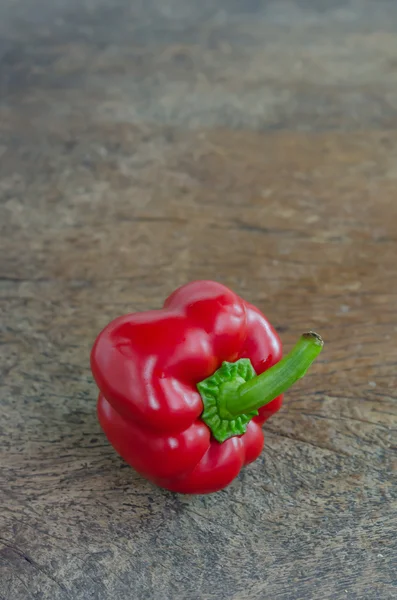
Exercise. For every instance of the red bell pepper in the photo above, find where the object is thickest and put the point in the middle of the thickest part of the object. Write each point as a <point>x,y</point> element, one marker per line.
<point>185,390</point>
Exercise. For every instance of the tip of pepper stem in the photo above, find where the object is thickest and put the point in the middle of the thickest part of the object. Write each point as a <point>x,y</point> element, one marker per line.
<point>315,337</point>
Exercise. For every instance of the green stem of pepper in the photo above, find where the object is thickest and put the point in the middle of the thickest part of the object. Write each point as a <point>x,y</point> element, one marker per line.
<point>263,388</point>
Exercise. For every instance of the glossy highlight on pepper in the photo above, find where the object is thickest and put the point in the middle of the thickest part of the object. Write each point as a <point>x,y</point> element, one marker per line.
<point>185,390</point>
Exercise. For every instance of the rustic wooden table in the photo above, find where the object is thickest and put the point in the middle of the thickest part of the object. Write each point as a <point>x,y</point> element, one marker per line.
<point>252,142</point>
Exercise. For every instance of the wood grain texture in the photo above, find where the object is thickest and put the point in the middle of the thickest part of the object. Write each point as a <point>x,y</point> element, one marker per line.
<point>141,147</point>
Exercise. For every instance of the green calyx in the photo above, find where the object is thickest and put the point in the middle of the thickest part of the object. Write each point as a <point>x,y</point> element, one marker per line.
<point>215,390</point>
<point>234,393</point>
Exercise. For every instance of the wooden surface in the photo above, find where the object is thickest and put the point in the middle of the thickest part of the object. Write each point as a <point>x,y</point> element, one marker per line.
<point>254,143</point>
